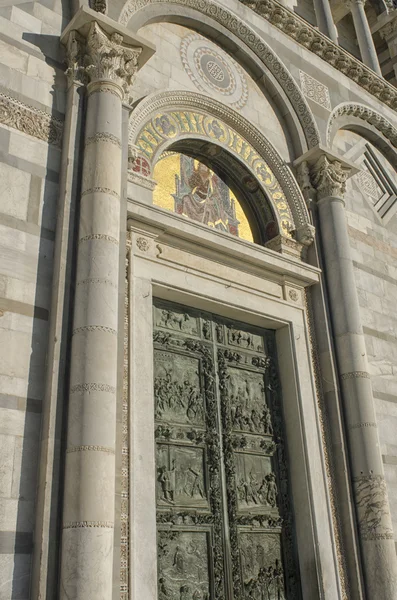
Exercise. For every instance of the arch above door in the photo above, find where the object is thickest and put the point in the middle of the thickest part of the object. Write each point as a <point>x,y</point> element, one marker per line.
<point>162,120</point>
<point>225,24</point>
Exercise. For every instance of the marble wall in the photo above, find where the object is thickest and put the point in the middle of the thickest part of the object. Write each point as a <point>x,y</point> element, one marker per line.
<point>32,100</point>
<point>373,243</point>
<point>32,105</point>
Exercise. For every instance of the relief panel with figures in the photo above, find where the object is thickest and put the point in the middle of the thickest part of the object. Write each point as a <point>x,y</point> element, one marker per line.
<point>224,516</point>
<point>183,565</point>
<point>177,389</point>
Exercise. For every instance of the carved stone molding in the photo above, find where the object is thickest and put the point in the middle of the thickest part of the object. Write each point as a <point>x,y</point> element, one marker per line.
<point>288,246</point>
<point>100,6</point>
<point>355,375</point>
<point>329,178</point>
<point>300,31</point>
<point>30,120</point>
<point>155,103</point>
<point>370,116</point>
<point>229,20</point>
<point>309,37</point>
<point>305,234</point>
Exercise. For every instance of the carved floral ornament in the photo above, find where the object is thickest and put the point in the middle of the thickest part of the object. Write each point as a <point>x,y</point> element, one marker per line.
<point>100,57</point>
<point>30,120</point>
<point>329,178</point>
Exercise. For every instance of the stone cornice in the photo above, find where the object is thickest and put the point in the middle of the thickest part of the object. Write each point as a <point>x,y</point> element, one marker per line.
<point>309,37</point>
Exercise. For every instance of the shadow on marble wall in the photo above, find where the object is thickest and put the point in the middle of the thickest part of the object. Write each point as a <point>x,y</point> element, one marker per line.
<point>41,467</point>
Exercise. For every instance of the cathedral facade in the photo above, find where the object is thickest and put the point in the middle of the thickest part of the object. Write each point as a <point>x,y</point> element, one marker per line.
<point>198,287</point>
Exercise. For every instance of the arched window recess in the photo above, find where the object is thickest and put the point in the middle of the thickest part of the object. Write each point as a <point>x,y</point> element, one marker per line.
<point>201,167</point>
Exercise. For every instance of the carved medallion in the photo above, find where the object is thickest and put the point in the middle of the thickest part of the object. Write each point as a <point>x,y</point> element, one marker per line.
<point>212,70</point>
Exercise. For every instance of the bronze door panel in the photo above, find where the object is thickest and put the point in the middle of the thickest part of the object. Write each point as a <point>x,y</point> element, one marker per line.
<point>225,522</point>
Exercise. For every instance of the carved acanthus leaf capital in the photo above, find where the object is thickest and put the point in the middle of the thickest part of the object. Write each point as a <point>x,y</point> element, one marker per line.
<point>329,177</point>
<point>106,58</point>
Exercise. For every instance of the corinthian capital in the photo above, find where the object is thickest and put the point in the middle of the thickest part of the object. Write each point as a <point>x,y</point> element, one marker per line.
<point>106,58</point>
<point>329,177</point>
<point>100,49</point>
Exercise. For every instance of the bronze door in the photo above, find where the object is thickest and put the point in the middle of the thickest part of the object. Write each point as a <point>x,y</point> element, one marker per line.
<point>225,529</point>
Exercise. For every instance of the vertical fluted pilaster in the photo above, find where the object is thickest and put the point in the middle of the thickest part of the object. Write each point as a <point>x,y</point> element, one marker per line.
<point>89,496</point>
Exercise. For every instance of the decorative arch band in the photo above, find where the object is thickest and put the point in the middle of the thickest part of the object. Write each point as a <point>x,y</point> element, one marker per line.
<point>365,113</point>
<point>166,127</point>
<point>238,136</point>
<point>236,26</point>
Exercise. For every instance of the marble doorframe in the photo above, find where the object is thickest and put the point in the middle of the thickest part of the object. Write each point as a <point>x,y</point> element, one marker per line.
<point>177,260</point>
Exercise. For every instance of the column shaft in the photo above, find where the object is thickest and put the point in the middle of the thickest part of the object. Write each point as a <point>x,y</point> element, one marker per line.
<point>325,21</point>
<point>372,507</point>
<point>364,36</point>
<point>88,519</point>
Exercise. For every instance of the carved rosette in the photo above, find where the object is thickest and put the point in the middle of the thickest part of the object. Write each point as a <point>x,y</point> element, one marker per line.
<point>329,178</point>
<point>101,57</point>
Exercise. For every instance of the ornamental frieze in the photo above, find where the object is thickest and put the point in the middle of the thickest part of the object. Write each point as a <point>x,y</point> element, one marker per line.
<point>29,120</point>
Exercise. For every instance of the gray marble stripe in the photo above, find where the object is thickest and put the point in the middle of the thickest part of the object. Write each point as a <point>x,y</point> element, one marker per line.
<point>389,460</point>
<point>29,310</point>
<point>374,272</point>
<point>27,227</point>
<point>16,542</point>
<point>387,337</point>
<point>387,397</point>
<point>18,403</point>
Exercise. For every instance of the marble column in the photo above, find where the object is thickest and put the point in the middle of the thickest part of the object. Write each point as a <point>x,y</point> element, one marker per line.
<point>369,487</point>
<point>324,18</point>
<point>364,35</point>
<point>387,28</point>
<point>89,494</point>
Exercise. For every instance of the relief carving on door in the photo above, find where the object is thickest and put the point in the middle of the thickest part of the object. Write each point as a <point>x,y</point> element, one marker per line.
<point>225,527</point>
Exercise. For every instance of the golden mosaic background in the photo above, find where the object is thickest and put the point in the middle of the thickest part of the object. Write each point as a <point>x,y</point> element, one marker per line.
<point>167,126</point>
<point>165,173</point>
